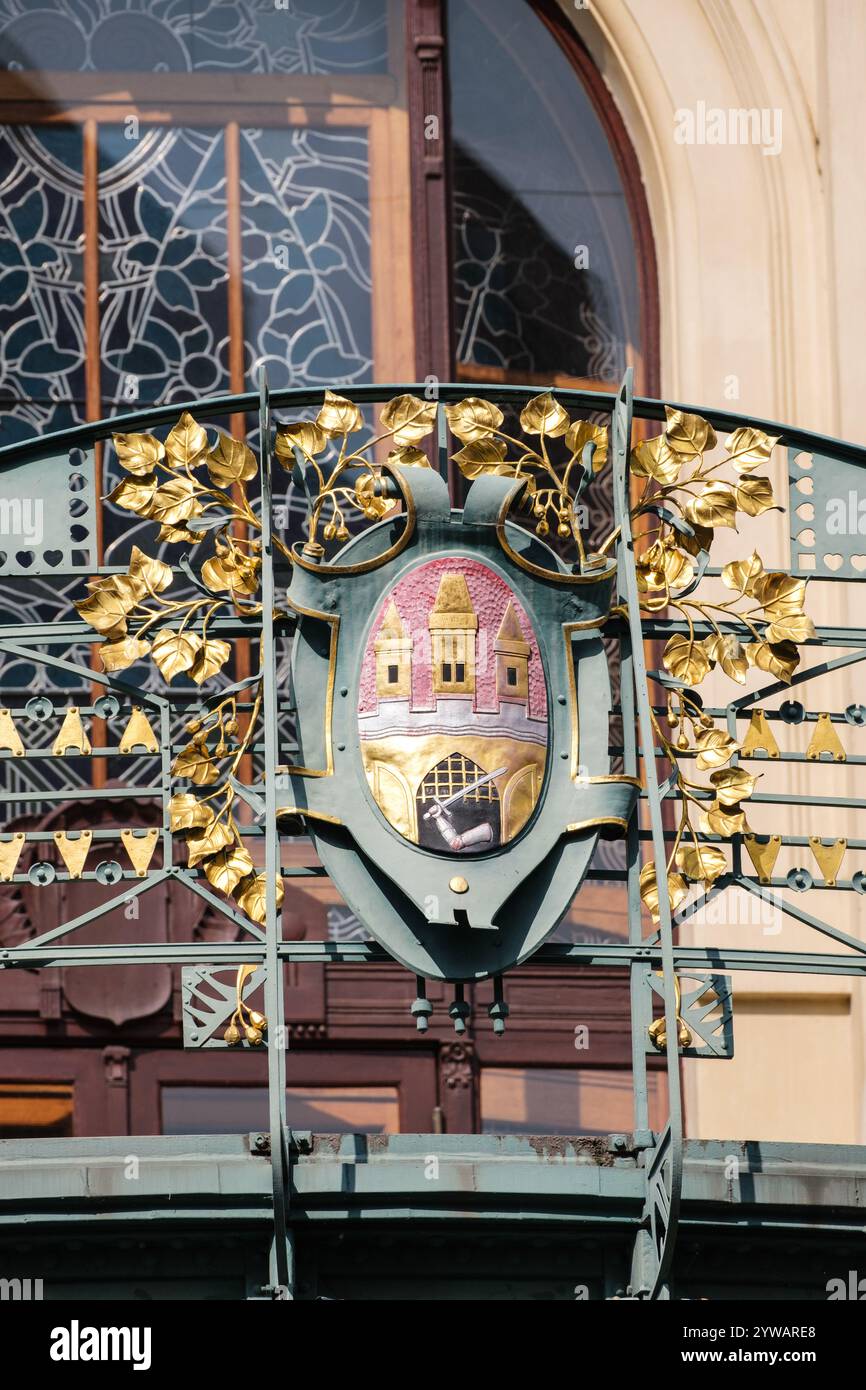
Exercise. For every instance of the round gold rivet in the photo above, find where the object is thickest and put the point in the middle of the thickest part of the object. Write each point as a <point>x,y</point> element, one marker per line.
<point>458,885</point>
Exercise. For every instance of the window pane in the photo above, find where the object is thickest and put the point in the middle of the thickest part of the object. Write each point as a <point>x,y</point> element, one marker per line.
<point>305,203</point>
<point>557,1100</point>
<point>534,181</point>
<point>238,1109</point>
<point>35,1110</point>
<point>255,36</point>
<point>163,266</point>
<point>42,384</point>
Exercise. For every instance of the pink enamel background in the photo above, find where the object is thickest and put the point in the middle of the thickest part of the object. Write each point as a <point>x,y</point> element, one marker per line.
<point>414,596</point>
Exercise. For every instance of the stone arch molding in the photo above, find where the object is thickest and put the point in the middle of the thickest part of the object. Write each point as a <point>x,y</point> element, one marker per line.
<point>741,253</point>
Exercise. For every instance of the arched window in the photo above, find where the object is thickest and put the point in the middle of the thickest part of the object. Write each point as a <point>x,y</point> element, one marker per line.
<point>547,265</point>
<point>186,192</point>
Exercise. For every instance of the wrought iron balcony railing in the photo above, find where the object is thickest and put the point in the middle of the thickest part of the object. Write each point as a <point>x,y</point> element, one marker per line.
<point>74,730</point>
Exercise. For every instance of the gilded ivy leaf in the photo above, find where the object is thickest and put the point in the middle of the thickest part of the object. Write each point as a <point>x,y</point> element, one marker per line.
<point>544,415</point>
<point>118,656</point>
<point>231,461</point>
<point>780,660</point>
<point>720,820</point>
<point>180,534</point>
<point>209,840</point>
<point>186,445</point>
<point>649,889</point>
<point>407,456</point>
<point>585,432</point>
<point>780,594</point>
<point>175,652</point>
<point>701,540</point>
<point>792,627</point>
<point>688,435</point>
<point>228,868</point>
<point>232,572</point>
<point>654,458</point>
<point>195,763</point>
<point>251,897</point>
<point>749,448</point>
<point>155,575</point>
<point>714,748</point>
<point>685,659</point>
<point>473,418</point>
<point>339,416</point>
<point>755,495</point>
<point>728,652</point>
<point>410,419</point>
<point>664,566</point>
<point>185,812</point>
<point>704,863</point>
<point>306,435</point>
<point>138,453</point>
<point>135,494</point>
<point>741,575</point>
<point>481,456</point>
<point>109,602</point>
<point>368,498</point>
<point>175,501</point>
<point>211,658</point>
<point>660,569</point>
<point>732,785</point>
<point>715,505</point>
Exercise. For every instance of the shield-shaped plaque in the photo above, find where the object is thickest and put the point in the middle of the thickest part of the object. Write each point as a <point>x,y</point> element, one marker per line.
<point>453,700</point>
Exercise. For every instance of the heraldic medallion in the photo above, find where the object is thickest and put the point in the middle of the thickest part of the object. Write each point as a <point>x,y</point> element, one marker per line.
<point>452,709</point>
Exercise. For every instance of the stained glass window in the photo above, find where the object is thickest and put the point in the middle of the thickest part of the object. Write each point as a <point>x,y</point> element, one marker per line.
<point>255,36</point>
<point>42,376</point>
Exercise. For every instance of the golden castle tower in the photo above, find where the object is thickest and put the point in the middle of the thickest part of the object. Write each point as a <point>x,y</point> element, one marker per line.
<point>512,658</point>
<point>393,648</point>
<point>453,624</point>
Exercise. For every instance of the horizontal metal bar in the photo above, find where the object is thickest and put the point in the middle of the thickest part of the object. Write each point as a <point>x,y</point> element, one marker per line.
<point>59,634</point>
<point>603,955</point>
<point>91,793</point>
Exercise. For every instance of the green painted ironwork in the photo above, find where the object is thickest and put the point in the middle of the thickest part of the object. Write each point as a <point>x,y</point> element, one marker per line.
<point>836,472</point>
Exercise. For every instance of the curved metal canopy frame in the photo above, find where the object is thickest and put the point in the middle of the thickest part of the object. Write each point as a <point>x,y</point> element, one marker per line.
<point>834,468</point>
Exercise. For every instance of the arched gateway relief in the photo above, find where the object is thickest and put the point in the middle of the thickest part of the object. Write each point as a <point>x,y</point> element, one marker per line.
<point>452,709</point>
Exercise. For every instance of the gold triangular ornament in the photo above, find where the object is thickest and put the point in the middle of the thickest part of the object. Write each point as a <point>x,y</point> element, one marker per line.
<point>138,733</point>
<point>72,735</point>
<point>828,857</point>
<point>759,736</point>
<point>763,856</point>
<point>9,735</point>
<point>10,851</point>
<point>825,740</point>
<point>73,852</point>
<point>139,848</point>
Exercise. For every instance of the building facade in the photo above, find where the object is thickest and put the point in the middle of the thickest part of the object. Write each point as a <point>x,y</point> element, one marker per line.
<point>526,192</point>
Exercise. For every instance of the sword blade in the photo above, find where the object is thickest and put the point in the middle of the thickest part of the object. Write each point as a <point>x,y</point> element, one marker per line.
<point>471,786</point>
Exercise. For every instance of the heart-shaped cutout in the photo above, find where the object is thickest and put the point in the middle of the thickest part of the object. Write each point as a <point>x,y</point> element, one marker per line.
<point>25,558</point>
<point>52,557</point>
<point>833,562</point>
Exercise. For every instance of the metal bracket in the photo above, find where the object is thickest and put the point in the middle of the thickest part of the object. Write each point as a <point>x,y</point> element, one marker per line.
<point>706,1009</point>
<point>209,998</point>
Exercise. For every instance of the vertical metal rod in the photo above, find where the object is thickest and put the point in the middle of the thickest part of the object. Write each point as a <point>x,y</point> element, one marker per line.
<point>442,440</point>
<point>637,993</point>
<point>282,1273</point>
<point>622,417</point>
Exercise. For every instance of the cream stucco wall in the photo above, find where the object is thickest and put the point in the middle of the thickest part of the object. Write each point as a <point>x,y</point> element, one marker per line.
<point>762,288</point>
